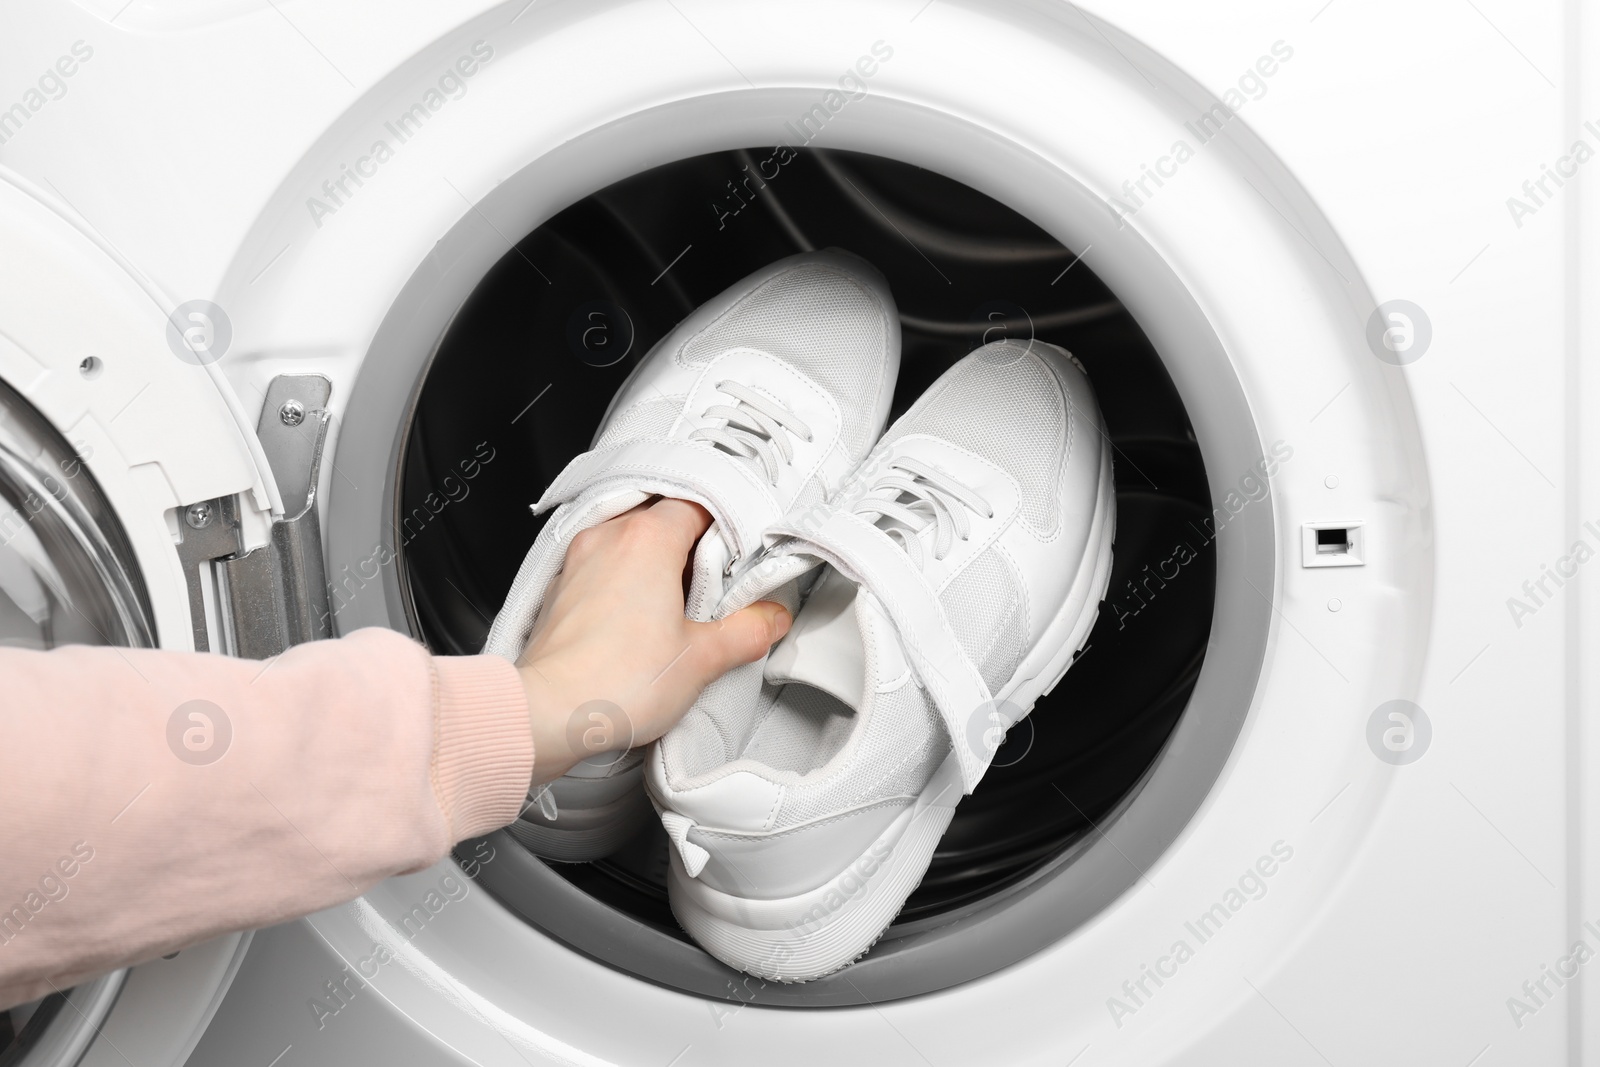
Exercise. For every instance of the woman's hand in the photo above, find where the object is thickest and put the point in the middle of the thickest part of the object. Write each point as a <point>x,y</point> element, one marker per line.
<point>612,662</point>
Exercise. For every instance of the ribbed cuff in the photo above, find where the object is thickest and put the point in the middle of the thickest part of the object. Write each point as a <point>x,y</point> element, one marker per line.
<point>483,747</point>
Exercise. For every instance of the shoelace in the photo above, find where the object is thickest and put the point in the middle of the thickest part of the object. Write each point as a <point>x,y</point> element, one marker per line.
<point>913,495</point>
<point>756,428</point>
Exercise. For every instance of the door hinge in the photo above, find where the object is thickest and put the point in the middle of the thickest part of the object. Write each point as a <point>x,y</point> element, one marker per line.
<point>275,596</point>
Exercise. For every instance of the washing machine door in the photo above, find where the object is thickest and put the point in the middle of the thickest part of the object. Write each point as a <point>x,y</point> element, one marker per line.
<point>108,436</point>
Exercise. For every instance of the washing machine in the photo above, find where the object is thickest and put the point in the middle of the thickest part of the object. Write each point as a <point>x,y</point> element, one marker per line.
<point>303,304</point>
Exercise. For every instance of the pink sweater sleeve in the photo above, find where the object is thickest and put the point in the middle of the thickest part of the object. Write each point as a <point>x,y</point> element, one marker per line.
<point>149,799</point>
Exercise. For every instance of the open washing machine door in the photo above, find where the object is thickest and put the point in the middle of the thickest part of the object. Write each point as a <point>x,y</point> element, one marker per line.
<point>132,514</point>
<point>459,219</point>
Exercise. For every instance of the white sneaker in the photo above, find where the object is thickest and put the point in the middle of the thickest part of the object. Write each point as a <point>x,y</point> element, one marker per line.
<point>763,400</point>
<point>966,562</point>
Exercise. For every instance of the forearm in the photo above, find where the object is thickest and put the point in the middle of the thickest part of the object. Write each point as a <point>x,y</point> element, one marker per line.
<point>131,830</point>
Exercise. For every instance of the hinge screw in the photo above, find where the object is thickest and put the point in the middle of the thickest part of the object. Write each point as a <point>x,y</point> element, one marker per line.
<point>293,413</point>
<point>198,516</point>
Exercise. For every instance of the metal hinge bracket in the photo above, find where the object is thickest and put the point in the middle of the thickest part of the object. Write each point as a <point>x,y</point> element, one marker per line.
<point>274,596</point>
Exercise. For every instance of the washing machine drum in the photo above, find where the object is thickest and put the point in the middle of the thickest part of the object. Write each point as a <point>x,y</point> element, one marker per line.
<point>575,326</point>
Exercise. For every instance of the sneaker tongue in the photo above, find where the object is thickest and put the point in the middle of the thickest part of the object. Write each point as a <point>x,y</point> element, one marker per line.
<point>828,646</point>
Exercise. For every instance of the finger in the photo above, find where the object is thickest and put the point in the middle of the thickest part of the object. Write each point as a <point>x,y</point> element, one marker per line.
<point>742,637</point>
<point>682,520</point>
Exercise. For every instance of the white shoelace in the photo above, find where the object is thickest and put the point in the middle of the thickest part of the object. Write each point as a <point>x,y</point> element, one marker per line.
<point>912,496</point>
<point>756,428</point>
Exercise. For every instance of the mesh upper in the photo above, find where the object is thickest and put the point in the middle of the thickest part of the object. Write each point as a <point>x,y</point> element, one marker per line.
<point>648,418</point>
<point>1003,403</point>
<point>822,322</point>
<point>714,730</point>
<point>989,615</point>
<point>812,727</point>
<point>902,743</point>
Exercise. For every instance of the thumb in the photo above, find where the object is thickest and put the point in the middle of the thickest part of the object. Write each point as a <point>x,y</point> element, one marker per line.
<point>742,637</point>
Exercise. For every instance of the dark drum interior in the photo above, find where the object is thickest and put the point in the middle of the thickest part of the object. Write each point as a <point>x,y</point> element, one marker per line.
<point>525,371</point>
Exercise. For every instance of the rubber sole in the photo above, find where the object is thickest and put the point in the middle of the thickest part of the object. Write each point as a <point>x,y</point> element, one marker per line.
<point>814,934</point>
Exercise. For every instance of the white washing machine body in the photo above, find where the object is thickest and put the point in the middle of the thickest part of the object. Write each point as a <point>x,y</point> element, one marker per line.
<point>1363,843</point>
